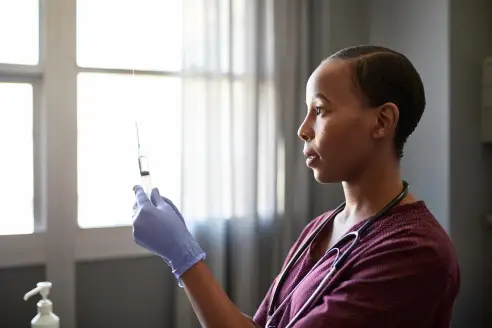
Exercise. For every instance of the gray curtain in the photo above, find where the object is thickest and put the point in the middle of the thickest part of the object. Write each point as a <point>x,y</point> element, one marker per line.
<point>245,185</point>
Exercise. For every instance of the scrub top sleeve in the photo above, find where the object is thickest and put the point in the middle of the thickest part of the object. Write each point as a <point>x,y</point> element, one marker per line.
<point>397,283</point>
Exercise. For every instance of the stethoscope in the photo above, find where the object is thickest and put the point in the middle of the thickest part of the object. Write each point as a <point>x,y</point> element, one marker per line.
<point>339,259</point>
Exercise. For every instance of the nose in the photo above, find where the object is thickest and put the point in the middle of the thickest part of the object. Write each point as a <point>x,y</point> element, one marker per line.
<point>306,131</point>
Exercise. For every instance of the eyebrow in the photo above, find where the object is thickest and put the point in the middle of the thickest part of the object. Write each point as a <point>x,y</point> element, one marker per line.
<point>317,95</point>
<point>320,96</point>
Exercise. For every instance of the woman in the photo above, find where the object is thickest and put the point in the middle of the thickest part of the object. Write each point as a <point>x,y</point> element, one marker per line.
<point>362,104</point>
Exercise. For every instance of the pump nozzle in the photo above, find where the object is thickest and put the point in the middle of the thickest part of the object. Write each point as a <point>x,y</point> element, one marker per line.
<point>42,288</point>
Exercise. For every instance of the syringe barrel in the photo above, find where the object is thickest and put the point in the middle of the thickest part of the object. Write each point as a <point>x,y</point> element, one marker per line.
<point>146,183</point>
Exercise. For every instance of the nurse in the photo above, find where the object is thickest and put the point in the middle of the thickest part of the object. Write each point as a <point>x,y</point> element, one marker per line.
<point>362,104</point>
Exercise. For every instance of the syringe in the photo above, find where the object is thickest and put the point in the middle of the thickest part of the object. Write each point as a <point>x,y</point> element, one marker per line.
<point>143,165</point>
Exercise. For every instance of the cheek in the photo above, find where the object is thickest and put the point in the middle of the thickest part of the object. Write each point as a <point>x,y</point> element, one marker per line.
<point>343,141</point>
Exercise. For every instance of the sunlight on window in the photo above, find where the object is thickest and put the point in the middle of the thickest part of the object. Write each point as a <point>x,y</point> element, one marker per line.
<point>19,32</point>
<point>109,105</point>
<point>130,34</point>
<point>16,167</point>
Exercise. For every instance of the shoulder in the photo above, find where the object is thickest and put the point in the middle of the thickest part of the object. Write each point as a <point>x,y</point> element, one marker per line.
<point>410,241</point>
<point>412,226</point>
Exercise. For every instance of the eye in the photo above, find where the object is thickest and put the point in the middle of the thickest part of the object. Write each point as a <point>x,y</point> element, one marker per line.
<point>319,110</point>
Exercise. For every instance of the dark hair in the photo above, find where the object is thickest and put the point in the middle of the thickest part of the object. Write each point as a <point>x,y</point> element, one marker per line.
<point>384,75</point>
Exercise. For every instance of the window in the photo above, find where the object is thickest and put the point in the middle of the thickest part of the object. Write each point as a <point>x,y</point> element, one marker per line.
<point>141,35</point>
<point>125,79</point>
<point>19,32</point>
<point>16,167</point>
<point>109,105</point>
<point>19,37</point>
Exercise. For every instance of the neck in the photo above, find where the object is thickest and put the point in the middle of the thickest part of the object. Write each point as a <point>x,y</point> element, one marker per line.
<point>372,190</point>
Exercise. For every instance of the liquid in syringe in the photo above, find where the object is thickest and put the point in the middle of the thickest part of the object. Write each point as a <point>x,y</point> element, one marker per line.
<point>144,167</point>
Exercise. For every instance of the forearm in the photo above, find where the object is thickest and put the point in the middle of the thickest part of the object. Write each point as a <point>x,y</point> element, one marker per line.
<point>211,304</point>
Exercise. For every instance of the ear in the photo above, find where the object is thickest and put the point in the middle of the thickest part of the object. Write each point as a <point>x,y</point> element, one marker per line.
<point>387,119</point>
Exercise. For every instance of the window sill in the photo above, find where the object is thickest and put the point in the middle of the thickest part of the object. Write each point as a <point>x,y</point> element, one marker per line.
<point>90,245</point>
<point>107,243</point>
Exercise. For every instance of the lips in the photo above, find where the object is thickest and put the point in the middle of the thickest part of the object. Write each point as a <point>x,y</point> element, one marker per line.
<point>311,161</point>
<point>311,157</point>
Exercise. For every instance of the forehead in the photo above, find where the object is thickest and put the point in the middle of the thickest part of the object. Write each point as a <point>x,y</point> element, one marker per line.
<point>333,78</point>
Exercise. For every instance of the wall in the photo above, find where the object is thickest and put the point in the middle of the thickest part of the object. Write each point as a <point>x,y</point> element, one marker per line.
<point>426,160</point>
<point>14,283</point>
<point>125,293</point>
<point>471,161</point>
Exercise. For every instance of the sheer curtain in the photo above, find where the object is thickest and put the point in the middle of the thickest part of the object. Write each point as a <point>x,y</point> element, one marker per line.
<point>244,182</point>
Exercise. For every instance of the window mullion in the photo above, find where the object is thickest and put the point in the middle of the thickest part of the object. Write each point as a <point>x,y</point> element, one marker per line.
<point>59,145</point>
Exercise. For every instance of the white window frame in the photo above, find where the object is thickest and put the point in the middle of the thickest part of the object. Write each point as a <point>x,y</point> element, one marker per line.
<point>58,243</point>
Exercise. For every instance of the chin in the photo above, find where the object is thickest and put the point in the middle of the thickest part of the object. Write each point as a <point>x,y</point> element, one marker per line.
<point>324,177</point>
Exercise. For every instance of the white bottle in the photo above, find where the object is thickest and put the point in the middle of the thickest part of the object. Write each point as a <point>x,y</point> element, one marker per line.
<point>45,318</point>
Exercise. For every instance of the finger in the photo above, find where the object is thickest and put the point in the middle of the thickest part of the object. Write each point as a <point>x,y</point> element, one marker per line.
<point>156,199</point>
<point>141,196</point>
<point>135,209</point>
<point>175,209</point>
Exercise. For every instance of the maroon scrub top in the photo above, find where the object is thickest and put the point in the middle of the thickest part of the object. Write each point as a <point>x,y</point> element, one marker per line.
<point>403,273</point>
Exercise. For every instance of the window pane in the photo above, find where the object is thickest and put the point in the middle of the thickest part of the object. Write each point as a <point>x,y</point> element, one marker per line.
<point>19,32</point>
<point>129,34</point>
<point>16,167</point>
<point>109,105</point>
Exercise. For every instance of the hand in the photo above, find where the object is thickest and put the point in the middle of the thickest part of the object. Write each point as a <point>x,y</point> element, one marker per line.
<point>159,227</point>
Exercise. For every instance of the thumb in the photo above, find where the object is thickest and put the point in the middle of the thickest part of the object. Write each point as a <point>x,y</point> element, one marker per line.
<point>141,196</point>
<point>156,199</point>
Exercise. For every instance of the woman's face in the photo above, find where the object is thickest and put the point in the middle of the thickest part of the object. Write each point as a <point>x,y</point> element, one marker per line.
<point>338,129</point>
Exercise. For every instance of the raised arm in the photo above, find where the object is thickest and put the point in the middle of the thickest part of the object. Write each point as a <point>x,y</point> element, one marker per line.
<point>159,227</point>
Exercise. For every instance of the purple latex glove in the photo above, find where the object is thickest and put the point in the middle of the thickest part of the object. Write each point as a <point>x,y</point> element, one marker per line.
<point>159,227</point>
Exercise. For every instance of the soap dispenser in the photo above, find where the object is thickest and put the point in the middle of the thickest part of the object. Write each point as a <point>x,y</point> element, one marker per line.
<point>45,317</point>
